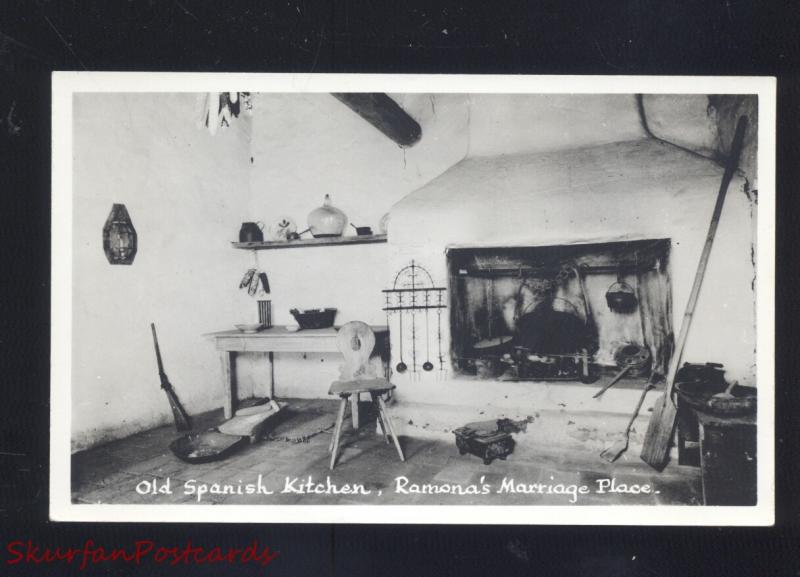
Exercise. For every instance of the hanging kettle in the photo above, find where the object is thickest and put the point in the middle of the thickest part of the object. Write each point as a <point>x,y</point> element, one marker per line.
<point>621,297</point>
<point>327,220</point>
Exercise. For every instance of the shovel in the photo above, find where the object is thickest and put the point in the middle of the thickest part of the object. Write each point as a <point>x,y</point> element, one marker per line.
<point>613,452</point>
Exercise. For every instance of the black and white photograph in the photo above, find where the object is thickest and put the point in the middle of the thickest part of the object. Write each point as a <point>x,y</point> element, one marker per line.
<point>413,299</point>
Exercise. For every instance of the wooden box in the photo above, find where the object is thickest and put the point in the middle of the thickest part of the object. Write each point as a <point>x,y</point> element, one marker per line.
<point>728,459</point>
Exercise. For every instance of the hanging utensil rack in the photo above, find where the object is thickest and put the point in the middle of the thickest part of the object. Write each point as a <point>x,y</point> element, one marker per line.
<point>413,290</point>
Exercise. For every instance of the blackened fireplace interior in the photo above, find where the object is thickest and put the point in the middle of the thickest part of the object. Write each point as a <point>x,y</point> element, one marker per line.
<point>564,312</point>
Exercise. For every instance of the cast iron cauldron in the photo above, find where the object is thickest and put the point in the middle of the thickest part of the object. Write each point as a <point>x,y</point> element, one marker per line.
<point>701,396</point>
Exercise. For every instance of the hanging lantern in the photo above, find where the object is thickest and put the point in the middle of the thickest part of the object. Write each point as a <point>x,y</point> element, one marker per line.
<point>119,236</point>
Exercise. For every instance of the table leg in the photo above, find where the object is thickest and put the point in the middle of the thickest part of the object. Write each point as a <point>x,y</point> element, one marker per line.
<point>354,409</point>
<point>270,375</point>
<point>227,360</point>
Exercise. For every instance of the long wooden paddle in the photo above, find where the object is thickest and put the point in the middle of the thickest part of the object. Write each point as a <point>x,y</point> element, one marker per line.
<point>655,451</point>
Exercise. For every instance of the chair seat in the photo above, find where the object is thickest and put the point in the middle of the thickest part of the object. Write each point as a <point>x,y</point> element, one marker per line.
<point>360,386</point>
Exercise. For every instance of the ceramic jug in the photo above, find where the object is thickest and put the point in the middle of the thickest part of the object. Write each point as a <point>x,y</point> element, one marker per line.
<point>327,220</point>
<point>251,232</point>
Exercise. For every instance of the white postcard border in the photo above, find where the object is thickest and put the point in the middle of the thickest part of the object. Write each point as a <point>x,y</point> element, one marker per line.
<point>65,84</point>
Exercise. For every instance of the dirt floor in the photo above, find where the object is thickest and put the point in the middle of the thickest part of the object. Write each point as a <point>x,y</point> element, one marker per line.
<point>433,474</point>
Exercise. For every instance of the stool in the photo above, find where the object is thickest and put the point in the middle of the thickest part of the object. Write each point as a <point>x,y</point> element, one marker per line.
<point>356,341</point>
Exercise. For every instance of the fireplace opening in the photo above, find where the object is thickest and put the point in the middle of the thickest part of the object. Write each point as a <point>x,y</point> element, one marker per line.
<point>563,312</point>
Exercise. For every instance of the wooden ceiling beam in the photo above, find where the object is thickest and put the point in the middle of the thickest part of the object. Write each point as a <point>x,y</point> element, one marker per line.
<point>384,114</point>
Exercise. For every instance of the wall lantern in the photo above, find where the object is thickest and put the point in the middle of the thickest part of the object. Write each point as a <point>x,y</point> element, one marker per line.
<point>119,236</point>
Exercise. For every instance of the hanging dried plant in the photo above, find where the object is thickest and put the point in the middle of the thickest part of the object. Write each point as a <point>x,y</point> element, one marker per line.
<point>219,108</point>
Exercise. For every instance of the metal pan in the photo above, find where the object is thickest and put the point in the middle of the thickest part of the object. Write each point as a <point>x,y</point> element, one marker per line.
<point>206,446</point>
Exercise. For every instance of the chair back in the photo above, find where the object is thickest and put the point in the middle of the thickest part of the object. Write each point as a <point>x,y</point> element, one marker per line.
<point>356,341</point>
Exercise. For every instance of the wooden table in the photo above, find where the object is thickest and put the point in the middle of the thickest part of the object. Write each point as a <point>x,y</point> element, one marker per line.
<point>274,340</point>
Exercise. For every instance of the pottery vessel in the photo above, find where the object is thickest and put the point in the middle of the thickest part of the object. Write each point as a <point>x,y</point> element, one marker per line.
<point>251,232</point>
<point>281,228</point>
<point>327,220</point>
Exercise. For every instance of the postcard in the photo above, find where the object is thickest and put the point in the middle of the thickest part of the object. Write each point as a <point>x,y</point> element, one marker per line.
<point>413,299</point>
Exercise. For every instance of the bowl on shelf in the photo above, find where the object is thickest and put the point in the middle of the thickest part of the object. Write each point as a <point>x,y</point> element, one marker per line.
<point>314,318</point>
<point>250,328</point>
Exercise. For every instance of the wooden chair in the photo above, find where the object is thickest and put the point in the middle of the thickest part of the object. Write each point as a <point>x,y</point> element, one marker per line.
<point>356,340</point>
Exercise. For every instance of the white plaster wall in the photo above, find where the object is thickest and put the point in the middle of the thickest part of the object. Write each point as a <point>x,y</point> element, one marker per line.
<point>706,125</point>
<point>186,191</point>
<point>527,123</point>
<point>683,119</point>
<point>305,146</point>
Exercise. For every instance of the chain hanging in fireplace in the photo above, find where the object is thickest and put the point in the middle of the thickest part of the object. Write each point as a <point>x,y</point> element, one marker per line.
<point>413,294</point>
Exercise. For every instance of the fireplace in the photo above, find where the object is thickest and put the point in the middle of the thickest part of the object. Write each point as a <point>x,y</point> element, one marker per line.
<point>530,313</point>
<point>638,208</point>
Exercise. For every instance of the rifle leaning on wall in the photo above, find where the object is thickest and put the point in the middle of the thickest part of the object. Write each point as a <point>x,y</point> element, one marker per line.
<point>182,422</point>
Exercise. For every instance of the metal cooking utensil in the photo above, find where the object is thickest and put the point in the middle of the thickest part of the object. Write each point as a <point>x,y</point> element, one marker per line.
<point>613,452</point>
<point>362,230</point>
<point>427,366</point>
<point>296,235</point>
<point>401,366</point>
<point>613,381</point>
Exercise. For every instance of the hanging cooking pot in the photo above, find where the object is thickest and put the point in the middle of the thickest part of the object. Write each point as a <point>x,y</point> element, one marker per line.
<point>327,220</point>
<point>621,298</point>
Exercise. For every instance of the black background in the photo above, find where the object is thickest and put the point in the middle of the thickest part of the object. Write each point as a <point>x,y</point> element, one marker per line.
<point>664,37</point>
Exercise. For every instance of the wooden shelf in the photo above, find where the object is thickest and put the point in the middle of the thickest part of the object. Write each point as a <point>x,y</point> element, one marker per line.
<point>330,241</point>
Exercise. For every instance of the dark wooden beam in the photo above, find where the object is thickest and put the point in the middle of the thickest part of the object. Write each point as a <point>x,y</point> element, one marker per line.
<point>384,114</point>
